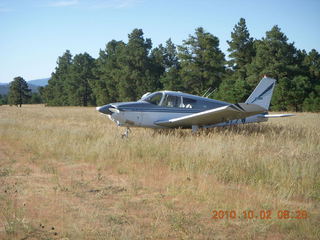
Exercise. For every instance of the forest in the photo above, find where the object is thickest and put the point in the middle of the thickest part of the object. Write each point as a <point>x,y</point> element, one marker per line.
<point>125,71</point>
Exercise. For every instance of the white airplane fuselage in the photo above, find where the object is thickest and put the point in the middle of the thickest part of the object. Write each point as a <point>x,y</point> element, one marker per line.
<point>142,119</point>
<point>144,114</point>
<point>147,119</point>
<point>169,109</point>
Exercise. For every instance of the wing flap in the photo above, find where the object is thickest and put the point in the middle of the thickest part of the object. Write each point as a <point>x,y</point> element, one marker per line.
<point>214,116</point>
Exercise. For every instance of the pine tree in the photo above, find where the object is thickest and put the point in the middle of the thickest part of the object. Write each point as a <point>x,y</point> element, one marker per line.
<point>35,98</point>
<point>157,66</point>
<point>312,102</point>
<point>55,92</point>
<point>235,87</point>
<point>300,87</point>
<point>77,87</point>
<point>136,77</point>
<point>3,99</point>
<point>202,62</point>
<point>277,58</point>
<point>241,46</point>
<point>19,92</point>
<point>107,73</point>
<point>171,78</point>
<point>312,65</point>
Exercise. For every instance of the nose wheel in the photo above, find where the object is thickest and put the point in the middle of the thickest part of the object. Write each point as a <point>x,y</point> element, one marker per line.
<point>195,128</point>
<point>126,133</point>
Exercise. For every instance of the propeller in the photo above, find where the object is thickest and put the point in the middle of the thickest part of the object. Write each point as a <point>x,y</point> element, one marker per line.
<point>113,109</point>
<point>107,109</point>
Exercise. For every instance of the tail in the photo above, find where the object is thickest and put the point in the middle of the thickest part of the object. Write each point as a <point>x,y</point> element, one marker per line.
<point>262,94</point>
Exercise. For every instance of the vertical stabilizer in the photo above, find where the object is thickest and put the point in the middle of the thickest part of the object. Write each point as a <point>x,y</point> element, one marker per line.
<point>262,93</point>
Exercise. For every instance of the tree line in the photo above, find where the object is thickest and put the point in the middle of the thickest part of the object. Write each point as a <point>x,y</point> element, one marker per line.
<point>125,71</point>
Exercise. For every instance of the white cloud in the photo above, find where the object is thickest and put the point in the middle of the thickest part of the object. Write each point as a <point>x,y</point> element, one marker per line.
<point>95,4</point>
<point>64,3</point>
<point>125,3</point>
<point>113,3</point>
<point>4,10</point>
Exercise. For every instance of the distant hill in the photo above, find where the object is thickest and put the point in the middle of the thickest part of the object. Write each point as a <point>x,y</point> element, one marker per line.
<point>39,82</point>
<point>33,85</point>
<point>4,88</point>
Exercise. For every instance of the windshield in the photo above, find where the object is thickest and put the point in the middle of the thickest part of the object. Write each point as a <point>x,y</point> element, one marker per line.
<point>154,98</point>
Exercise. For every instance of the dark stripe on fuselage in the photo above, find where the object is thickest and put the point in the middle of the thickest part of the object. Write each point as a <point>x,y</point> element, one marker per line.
<point>263,93</point>
<point>168,110</point>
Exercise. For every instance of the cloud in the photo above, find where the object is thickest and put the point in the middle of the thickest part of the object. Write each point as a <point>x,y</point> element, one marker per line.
<point>64,3</point>
<point>125,3</point>
<point>95,4</point>
<point>114,3</point>
<point>4,10</point>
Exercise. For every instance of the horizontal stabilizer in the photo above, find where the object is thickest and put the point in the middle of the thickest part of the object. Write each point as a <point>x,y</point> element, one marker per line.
<point>277,115</point>
<point>214,116</point>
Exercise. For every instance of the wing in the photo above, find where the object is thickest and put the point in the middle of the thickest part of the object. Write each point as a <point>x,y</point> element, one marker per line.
<point>214,116</point>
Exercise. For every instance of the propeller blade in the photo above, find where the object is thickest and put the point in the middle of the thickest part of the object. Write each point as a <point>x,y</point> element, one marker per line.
<point>107,109</point>
<point>114,110</point>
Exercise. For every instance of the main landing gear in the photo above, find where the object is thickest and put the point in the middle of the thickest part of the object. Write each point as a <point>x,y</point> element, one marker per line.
<point>195,128</point>
<point>126,133</point>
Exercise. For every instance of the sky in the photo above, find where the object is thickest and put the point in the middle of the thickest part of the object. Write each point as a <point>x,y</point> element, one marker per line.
<point>34,33</point>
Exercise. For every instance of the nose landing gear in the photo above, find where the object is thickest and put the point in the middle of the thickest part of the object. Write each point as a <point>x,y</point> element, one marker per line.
<point>126,133</point>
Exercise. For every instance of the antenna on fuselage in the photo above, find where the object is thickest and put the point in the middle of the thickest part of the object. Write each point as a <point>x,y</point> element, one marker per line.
<point>211,93</point>
<point>204,95</point>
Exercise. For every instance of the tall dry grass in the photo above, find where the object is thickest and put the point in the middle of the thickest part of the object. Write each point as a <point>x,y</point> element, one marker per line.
<point>72,170</point>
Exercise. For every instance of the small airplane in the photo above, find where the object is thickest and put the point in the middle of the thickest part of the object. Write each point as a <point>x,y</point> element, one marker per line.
<point>170,109</point>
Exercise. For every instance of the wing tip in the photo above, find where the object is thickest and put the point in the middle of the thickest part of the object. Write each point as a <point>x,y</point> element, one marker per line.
<point>278,115</point>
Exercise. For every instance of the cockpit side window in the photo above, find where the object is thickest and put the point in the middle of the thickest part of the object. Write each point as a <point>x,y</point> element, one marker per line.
<point>171,101</point>
<point>189,103</point>
<point>178,102</point>
<point>154,98</point>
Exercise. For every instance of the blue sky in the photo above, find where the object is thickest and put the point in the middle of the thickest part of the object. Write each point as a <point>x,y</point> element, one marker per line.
<point>35,32</point>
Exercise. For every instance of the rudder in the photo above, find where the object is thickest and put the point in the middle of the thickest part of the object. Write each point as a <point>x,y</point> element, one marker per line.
<point>262,94</point>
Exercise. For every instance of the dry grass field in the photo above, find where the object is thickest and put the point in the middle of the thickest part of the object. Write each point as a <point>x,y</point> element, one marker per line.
<point>65,173</point>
